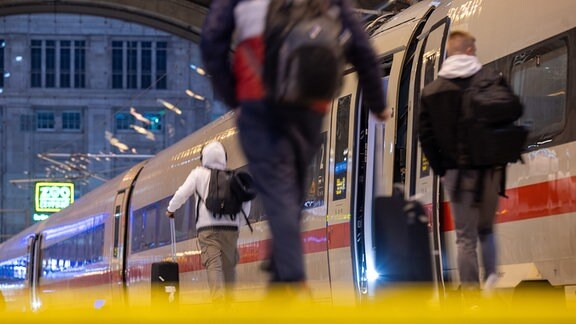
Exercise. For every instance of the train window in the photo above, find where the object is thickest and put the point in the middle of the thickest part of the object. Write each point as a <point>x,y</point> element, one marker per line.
<point>539,77</point>
<point>150,228</point>
<point>184,222</point>
<point>98,243</point>
<point>429,67</point>
<point>187,224</point>
<point>315,179</point>
<point>164,227</point>
<point>137,231</point>
<point>341,152</point>
<point>77,251</point>
<point>13,271</point>
<point>84,250</point>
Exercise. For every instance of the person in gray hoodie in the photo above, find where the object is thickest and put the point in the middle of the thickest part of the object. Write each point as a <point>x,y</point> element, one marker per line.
<point>441,103</point>
<point>217,236</point>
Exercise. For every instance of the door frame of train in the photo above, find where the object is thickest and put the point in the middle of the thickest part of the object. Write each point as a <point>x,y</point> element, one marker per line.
<point>121,213</point>
<point>33,271</point>
<point>418,166</point>
<point>370,134</point>
<point>397,44</point>
<point>338,212</point>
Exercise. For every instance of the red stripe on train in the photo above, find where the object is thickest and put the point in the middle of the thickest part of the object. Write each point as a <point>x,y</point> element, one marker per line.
<point>528,202</point>
<point>315,241</point>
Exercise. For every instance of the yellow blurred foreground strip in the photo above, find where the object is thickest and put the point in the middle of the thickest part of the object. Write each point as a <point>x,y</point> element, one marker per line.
<point>293,314</point>
<point>391,307</point>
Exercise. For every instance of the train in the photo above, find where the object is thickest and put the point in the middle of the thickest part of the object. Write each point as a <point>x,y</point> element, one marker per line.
<point>107,240</point>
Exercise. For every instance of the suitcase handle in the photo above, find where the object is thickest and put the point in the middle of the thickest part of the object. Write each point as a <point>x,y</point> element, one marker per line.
<point>173,238</point>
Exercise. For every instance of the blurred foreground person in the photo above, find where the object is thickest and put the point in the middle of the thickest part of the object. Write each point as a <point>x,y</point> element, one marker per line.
<point>281,93</point>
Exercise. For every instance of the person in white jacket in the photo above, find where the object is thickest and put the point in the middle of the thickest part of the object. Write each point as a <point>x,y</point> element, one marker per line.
<point>218,236</point>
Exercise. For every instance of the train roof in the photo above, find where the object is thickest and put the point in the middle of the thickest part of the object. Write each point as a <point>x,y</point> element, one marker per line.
<point>504,27</point>
<point>414,12</point>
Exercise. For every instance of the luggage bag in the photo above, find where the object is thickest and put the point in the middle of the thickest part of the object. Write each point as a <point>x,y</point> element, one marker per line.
<point>402,241</point>
<point>165,276</point>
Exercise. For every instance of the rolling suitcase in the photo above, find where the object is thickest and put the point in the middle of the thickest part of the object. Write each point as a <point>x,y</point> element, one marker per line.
<point>165,276</point>
<point>402,241</point>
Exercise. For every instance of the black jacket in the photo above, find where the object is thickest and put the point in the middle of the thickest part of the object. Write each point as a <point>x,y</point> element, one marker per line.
<point>440,108</point>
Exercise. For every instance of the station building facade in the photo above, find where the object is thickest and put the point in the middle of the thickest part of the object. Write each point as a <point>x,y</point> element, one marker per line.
<point>80,95</point>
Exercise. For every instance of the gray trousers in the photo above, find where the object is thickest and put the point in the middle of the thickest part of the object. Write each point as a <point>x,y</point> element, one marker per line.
<point>219,255</point>
<point>474,221</point>
<point>279,145</point>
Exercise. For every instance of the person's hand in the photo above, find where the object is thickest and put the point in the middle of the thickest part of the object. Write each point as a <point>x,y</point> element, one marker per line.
<point>384,115</point>
<point>169,214</point>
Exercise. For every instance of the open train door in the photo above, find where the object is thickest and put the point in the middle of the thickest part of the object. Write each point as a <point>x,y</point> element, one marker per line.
<point>340,191</point>
<point>384,150</point>
<point>422,181</point>
<point>121,214</point>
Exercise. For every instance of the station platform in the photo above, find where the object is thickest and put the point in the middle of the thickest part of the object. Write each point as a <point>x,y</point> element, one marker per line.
<point>409,306</point>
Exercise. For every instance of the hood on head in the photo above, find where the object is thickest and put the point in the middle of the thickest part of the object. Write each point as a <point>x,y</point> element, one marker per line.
<point>214,156</point>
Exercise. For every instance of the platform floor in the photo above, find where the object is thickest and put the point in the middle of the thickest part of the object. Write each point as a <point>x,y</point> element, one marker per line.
<point>388,307</point>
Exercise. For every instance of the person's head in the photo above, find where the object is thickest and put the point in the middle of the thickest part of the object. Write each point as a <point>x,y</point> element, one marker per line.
<point>461,42</point>
<point>214,156</point>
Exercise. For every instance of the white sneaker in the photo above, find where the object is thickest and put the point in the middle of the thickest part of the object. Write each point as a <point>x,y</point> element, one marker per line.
<point>489,285</point>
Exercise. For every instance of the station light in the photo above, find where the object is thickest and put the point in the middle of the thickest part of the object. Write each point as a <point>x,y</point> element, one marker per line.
<point>372,275</point>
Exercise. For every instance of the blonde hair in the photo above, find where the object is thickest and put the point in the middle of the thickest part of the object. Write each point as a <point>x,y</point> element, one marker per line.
<point>461,42</point>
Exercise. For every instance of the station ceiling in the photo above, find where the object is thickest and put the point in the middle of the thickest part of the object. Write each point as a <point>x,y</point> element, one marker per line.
<point>179,17</point>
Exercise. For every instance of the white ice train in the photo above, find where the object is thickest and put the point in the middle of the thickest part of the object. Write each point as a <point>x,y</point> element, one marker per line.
<point>108,239</point>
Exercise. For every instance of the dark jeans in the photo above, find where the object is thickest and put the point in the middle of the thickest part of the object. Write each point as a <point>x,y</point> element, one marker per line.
<point>279,145</point>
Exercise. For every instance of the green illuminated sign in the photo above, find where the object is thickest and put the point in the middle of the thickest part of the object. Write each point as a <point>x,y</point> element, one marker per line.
<point>40,217</point>
<point>53,196</point>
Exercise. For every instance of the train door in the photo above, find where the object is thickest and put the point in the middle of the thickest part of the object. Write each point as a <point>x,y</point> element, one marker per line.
<point>423,182</point>
<point>120,220</point>
<point>118,224</point>
<point>34,270</point>
<point>369,179</point>
<point>339,189</point>
<point>385,151</point>
<point>314,224</point>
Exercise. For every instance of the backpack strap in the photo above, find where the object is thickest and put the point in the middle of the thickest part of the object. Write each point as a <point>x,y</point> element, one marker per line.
<point>247,221</point>
<point>198,205</point>
<point>200,199</point>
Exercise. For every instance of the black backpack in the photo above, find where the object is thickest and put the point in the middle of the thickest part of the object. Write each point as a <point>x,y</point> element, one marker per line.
<point>304,51</point>
<point>227,190</point>
<point>487,135</point>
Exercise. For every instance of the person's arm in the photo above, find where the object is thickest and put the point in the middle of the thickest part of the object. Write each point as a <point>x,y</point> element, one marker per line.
<point>215,48</point>
<point>428,140</point>
<point>361,54</point>
<point>186,190</point>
